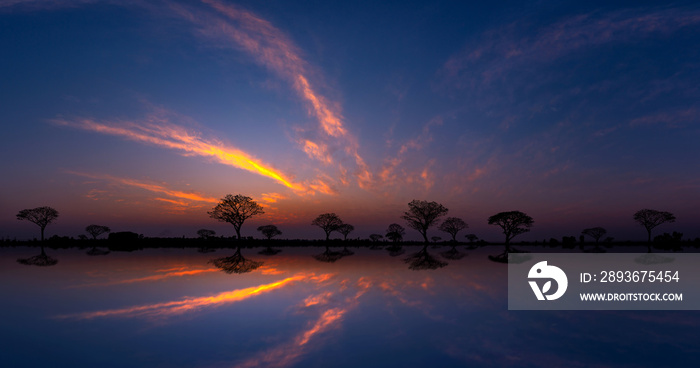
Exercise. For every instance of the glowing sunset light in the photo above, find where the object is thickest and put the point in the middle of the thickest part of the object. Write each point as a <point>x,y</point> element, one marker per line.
<point>181,306</point>
<point>175,137</point>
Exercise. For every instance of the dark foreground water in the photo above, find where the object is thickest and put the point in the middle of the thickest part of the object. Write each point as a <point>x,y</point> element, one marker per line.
<point>172,308</point>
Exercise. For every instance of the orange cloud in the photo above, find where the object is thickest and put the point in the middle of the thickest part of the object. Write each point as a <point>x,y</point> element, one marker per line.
<point>192,196</point>
<point>273,49</point>
<point>162,133</point>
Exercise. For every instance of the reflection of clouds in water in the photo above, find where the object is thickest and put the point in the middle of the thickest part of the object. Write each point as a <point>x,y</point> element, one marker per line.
<point>160,275</point>
<point>332,308</point>
<point>171,308</point>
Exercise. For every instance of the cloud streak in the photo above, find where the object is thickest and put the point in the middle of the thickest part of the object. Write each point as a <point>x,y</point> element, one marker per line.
<point>233,26</point>
<point>162,133</point>
<point>156,188</point>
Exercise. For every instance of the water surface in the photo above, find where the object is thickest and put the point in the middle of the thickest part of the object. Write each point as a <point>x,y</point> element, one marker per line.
<point>174,308</point>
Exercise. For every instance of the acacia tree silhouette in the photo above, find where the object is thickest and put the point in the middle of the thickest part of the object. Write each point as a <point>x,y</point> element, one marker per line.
<point>205,233</point>
<point>595,233</point>
<point>421,215</point>
<point>513,223</point>
<point>652,218</point>
<point>97,230</point>
<point>329,222</point>
<point>345,229</point>
<point>269,231</point>
<point>395,233</point>
<point>41,216</point>
<point>235,210</point>
<point>453,225</point>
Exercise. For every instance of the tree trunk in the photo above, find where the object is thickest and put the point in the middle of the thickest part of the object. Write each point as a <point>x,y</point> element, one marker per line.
<point>238,232</point>
<point>425,236</point>
<point>649,238</point>
<point>42,234</point>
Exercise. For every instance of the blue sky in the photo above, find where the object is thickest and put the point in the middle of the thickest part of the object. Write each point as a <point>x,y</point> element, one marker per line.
<point>140,115</point>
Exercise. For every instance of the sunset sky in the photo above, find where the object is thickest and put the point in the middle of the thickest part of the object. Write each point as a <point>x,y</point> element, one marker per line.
<point>140,115</point>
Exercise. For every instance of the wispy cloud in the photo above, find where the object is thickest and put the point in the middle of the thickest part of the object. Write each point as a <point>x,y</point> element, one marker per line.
<point>151,187</point>
<point>672,119</point>
<point>503,49</point>
<point>158,130</point>
<point>232,26</point>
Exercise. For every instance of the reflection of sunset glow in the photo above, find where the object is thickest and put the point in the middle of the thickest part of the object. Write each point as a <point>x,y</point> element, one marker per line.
<point>163,274</point>
<point>323,323</point>
<point>287,354</point>
<point>317,299</point>
<point>182,306</point>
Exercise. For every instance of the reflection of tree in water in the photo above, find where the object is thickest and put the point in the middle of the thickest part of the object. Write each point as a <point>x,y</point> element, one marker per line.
<point>236,263</point>
<point>41,260</point>
<point>329,256</point>
<point>453,253</point>
<point>395,250</point>
<point>424,261</point>
<point>651,258</point>
<point>269,251</point>
<point>346,252</point>
<point>514,256</point>
<point>96,252</point>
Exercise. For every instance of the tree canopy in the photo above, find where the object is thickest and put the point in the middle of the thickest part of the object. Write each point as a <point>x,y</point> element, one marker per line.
<point>345,229</point>
<point>235,210</point>
<point>595,232</point>
<point>269,231</point>
<point>395,232</point>
<point>41,216</point>
<point>421,215</point>
<point>329,222</point>
<point>512,222</point>
<point>652,218</point>
<point>97,230</point>
<point>453,225</point>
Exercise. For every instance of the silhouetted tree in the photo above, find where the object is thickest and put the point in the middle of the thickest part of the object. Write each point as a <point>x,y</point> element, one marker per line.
<point>235,210</point>
<point>236,263</point>
<point>435,239</point>
<point>421,215</point>
<point>205,233</point>
<point>652,218</point>
<point>270,231</point>
<point>595,233</point>
<point>375,237</point>
<point>453,225</point>
<point>345,229</point>
<point>41,216</point>
<point>513,223</point>
<point>329,222</point>
<point>395,232</point>
<point>97,230</point>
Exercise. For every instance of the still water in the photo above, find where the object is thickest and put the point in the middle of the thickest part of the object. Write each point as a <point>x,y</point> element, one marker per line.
<point>175,308</point>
